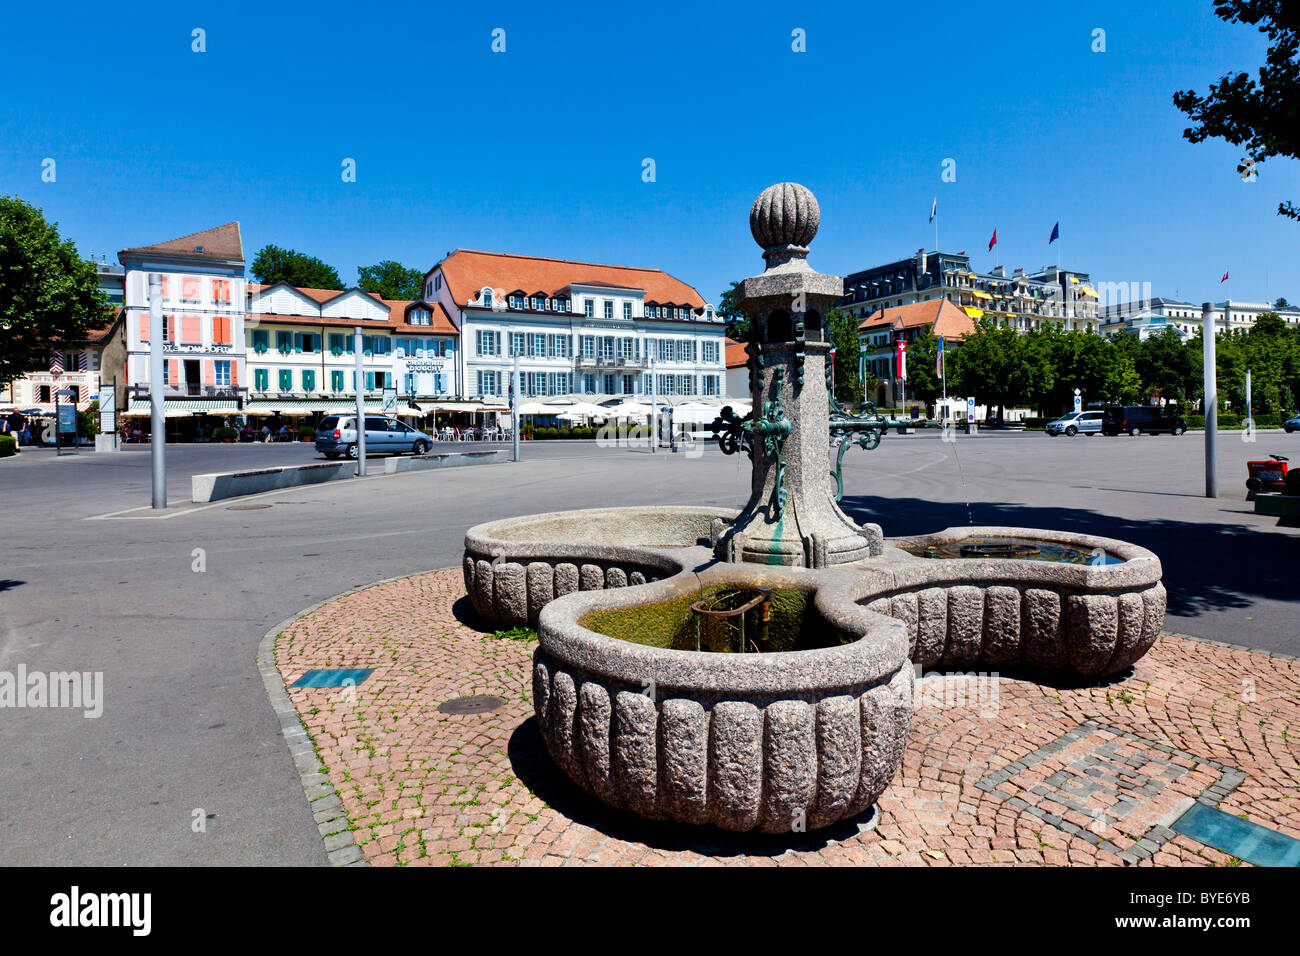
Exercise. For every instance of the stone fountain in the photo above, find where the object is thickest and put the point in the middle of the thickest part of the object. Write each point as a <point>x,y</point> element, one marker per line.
<point>792,714</point>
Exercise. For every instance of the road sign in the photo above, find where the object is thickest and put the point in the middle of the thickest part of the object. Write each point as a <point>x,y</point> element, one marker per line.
<point>970,409</point>
<point>1078,400</point>
<point>389,406</point>
<point>107,409</point>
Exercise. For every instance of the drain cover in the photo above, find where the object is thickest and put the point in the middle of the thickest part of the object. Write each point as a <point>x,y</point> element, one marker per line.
<point>247,507</point>
<point>480,704</point>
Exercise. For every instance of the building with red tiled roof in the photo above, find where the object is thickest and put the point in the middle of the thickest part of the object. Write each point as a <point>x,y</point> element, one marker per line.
<point>576,327</point>
<point>302,358</point>
<point>202,289</point>
<point>880,333</point>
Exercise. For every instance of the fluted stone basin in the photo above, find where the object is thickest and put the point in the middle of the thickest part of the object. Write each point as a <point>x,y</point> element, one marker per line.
<point>776,742</point>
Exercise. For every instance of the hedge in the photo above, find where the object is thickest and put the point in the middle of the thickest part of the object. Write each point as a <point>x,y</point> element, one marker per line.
<point>8,446</point>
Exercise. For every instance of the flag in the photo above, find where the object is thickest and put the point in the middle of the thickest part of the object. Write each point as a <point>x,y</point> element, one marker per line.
<point>938,359</point>
<point>994,241</point>
<point>934,208</point>
<point>1224,279</point>
<point>1056,234</point>
<point>56,363</point>
<point>902,361</point>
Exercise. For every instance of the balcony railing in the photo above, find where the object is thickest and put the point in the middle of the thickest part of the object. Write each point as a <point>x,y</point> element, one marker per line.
<point>610,361</point>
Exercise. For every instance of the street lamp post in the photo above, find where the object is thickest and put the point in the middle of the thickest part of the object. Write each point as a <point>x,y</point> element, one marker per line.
<point>361,402</point>
<point>157,420</point>
<point>1211,401</point>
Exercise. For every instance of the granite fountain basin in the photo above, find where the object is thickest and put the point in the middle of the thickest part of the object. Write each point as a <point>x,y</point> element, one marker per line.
<point>777,741</point>
<point>515,566</point>
<point>1002,613</point>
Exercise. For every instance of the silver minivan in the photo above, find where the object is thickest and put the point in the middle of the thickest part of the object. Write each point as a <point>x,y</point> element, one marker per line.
<point>337,435</point>
<point>1087,423</point>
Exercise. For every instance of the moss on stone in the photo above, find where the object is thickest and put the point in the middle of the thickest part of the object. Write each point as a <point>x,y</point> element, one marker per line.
<point>794,625</point>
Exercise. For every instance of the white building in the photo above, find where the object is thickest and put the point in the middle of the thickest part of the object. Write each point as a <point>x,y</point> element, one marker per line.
<point>577,327</point>
<point>1147,317</point>
<point>302,358</point>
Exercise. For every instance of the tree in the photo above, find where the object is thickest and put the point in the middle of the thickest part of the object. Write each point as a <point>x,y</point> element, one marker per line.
<point>1164,363</point>
<point>843,334</point>
<point>1262,116</point>
<point>274,264</point>
<point>737,321</point>
<point>922,376</point>
<point>1000,367</point>
<point>48,292</point>
<point>390,280</point>
<point>1281,303</point>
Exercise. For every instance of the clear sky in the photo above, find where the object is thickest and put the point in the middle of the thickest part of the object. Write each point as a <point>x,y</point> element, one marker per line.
<point>539,149</point>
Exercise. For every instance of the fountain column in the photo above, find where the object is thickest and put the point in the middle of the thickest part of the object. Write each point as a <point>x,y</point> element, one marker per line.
<point>791,517</point>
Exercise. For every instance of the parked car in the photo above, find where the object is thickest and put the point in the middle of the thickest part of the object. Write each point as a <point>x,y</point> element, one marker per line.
<point>1139,419</point>
<point>1089,423</point>
<point>337,435</point>
<point>1292,424</point>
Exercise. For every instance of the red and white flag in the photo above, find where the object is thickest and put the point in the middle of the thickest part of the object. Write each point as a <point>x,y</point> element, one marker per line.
<point>902,361</point>
<point>994,241</point>
<point>1224,279</point>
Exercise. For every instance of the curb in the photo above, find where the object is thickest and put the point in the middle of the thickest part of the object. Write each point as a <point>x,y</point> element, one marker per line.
<point>1232,647</point>
<point>327,807</point>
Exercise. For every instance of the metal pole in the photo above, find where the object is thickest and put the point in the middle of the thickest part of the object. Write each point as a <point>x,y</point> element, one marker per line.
<point>1211,401</point>
<point>514,409</point>
<point>157,377</point>
<point>361,402</point>
<point>654,408</point>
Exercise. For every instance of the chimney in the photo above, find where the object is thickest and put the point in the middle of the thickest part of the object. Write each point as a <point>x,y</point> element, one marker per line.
<point>999,271</point>
<point>922,262</point>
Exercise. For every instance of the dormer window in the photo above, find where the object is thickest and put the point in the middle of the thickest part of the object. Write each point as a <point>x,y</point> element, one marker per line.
<point>485,296</point>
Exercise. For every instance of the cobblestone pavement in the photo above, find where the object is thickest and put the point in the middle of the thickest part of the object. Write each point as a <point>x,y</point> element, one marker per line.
<point>997,770</point>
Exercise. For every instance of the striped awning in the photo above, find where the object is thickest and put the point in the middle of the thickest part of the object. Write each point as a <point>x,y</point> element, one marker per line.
<point>299,406</point>
<point>181,408</point>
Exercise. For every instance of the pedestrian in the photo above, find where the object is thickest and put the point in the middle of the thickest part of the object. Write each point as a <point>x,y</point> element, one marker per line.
<point>25,436</point>
<point>266,434</point>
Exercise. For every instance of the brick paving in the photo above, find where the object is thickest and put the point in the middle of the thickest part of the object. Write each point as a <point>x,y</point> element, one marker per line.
<point>997,771</point>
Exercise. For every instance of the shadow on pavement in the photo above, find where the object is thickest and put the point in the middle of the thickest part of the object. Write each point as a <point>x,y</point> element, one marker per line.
<point>1207,566</point>
<point>535,769</point>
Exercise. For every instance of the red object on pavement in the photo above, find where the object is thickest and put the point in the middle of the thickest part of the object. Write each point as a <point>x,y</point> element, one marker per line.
<point>1269,475</point>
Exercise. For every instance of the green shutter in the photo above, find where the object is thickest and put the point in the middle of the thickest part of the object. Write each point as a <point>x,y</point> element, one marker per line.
<point>297,341</point>
<point>308,380</point>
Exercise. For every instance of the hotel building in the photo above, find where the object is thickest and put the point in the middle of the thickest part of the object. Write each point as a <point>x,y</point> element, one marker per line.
<point>577,327</point>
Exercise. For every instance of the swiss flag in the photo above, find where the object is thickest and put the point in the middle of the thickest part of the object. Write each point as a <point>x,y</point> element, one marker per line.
<point>994,241</point>
<point>1224,279</point>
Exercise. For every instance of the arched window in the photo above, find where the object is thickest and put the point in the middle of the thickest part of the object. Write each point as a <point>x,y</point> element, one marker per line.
<point>778,326</point>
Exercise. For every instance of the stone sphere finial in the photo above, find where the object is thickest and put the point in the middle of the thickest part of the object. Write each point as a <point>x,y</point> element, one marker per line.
<point>785,214</point>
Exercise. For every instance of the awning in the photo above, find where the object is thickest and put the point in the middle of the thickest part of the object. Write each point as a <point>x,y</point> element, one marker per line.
<point>181,408</point>
<point>1086,291</point>
<point>298,406</point>
<point>973,312</point>
<point>980,295</point>
<point>436,406</point>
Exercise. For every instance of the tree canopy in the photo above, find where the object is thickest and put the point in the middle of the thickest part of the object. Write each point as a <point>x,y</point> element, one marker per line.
<point>842,329</point>
<point>1262,115</point>
<point>390,280</point>
<point>737,321</point>
<point>48,292</point>
<point>274,264</point>
<point>1042,368</point>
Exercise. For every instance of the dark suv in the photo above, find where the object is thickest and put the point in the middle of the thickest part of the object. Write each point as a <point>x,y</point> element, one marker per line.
<point>1136,419</point>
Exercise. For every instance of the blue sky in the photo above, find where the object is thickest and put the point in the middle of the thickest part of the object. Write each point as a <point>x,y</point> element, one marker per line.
<point>539,150</point>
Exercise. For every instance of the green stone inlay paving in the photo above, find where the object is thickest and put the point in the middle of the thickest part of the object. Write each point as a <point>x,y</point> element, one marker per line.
<point>1243,839</point>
